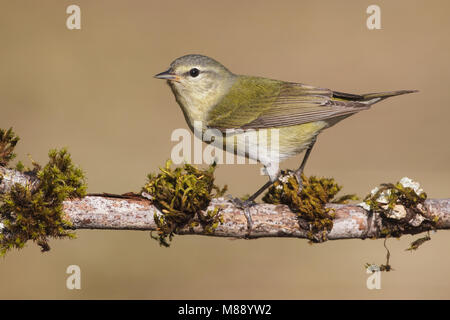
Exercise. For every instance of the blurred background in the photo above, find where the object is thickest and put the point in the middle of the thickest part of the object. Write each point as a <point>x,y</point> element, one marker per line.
<point>92,90</point>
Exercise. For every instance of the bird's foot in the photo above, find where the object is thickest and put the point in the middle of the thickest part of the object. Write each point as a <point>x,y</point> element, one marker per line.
<point>245,205</point>
<point>298,175</point>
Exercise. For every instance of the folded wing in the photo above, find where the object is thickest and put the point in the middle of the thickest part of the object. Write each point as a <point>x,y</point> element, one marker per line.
<point>256,103</point>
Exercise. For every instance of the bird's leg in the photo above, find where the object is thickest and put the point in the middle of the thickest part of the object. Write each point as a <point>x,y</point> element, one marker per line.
<point>298,173</point>
<point>260,190</point>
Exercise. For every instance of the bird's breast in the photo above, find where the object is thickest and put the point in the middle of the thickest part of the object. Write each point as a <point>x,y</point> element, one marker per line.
<point>276,144</point>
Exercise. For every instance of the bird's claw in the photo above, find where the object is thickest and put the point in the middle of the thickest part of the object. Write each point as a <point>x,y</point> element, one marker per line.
<point>245,205</point>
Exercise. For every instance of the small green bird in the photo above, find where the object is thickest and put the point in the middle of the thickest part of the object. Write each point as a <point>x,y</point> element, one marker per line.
<point>209,93</point>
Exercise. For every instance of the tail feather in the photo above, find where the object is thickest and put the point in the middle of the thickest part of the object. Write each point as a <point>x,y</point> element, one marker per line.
<point>370,96</point>
<point>384,95</point>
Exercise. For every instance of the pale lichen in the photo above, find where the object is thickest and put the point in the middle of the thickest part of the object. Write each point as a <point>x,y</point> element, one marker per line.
<point>400,205</point>
<point>399,208</point>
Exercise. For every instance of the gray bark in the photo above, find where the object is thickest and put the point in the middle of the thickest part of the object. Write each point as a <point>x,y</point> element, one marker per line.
<point>135,213</point>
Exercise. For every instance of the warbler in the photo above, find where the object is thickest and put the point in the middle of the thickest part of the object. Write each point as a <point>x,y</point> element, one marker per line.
<point>209,93</point>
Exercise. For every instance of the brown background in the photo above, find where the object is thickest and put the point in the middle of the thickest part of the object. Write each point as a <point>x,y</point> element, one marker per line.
<point>92,90</point>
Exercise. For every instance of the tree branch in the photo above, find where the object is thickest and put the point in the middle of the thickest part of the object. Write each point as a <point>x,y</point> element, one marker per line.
<point>127,212</point>
<point>107,212</point>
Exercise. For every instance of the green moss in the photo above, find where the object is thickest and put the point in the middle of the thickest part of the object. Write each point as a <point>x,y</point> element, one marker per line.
<point>310,203</point>
<point>384,200</point>
<point>182,194</point>
<point>374,267</point>
<point>20,167</point>
<point>37,213</point>
<point>8,141</point>
<point>383,267</point>
<point>417,243</point>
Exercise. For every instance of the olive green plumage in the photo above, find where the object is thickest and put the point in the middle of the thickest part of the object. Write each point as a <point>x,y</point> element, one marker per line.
<point>208,92</point>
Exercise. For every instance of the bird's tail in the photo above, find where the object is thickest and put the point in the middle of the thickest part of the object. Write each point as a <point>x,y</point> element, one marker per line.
<point>384,95</point>
<point>370,97</point>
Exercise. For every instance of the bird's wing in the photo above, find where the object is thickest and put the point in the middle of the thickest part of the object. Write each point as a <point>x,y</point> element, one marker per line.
<point>256,103</point>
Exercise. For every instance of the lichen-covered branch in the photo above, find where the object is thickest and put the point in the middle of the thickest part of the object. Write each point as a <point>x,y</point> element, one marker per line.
<point>128,212</point>
<point>133,213</point>
<point>32,209</point>
<point>9,177</point>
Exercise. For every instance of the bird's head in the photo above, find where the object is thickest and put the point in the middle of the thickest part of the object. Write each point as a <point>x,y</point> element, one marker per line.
<point>197,81</point>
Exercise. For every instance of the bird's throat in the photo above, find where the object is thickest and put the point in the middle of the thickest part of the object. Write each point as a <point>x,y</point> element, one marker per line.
<point>195,102</point>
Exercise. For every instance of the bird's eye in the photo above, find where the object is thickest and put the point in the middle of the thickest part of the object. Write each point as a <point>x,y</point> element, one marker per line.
<point>194,72</point>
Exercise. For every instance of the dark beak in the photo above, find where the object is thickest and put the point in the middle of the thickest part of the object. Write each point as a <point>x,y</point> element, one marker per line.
<point>167,75</point>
